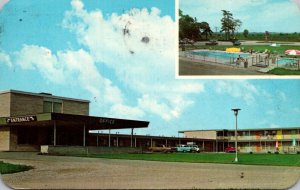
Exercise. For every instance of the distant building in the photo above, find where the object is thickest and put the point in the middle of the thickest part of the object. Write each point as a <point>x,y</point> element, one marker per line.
<point>252,140</point>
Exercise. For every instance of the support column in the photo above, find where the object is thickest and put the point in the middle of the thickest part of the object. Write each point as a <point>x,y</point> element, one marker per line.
<point>166,142</point>
<point>203,146</point>
<point>151,145</point>
<point>131,142</point>
<point>97,138</point>
<point>54,133</point>
<point>134,141</point>
<point>83,134</point>
<point>109,138</point>
<point>117,140</point>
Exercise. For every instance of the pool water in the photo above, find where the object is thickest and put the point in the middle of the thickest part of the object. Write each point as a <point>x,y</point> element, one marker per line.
<point>286,61</point>
<point>220,54</point>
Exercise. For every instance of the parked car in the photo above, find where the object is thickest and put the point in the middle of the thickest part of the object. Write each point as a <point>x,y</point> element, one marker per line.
<point>230,149</point>
<point>183,148</point>
<point>186,41</point>
<point>194,147</point>
<point>236,43</point>
<point>211,42</point>
<point>162,148</point>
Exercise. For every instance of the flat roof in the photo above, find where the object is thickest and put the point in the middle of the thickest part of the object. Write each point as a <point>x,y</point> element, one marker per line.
<point>151,136</point>
<point>257,129</point>
<point>69,120</point>
<point>43,94</point>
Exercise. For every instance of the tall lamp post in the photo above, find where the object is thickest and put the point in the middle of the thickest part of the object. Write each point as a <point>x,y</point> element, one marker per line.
<point>236,111</point>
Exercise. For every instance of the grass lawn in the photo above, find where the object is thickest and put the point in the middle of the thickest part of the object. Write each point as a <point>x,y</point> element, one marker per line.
<point>222,158</point>
<point>282,71</point>
<point>6,168</point>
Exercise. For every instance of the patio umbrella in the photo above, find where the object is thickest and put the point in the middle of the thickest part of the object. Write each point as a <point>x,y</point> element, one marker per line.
<point>292,52</point>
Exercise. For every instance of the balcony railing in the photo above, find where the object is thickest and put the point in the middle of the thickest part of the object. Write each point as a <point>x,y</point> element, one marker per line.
<point>261,138</point>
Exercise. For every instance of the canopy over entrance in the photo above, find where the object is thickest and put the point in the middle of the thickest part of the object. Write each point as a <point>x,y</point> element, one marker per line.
<point>90,122</point>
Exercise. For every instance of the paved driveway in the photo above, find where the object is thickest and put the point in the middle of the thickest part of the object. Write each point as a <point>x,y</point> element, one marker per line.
<point>57,172</point>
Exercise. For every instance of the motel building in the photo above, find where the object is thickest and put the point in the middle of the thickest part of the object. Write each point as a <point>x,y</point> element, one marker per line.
<point>53,124</point>
<point>269,140</point>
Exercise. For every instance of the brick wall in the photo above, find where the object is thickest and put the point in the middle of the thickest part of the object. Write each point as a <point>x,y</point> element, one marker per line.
<point>201,134</point>
<point>77,108</point>
<point>22,104</point>
<point>4,138</point>
<point>5,105</point>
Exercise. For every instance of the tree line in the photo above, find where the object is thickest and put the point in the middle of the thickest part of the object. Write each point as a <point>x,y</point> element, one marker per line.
<point>190,28</point>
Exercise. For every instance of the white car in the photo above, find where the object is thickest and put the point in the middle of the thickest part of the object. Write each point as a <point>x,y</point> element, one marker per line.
<point>194,147</point>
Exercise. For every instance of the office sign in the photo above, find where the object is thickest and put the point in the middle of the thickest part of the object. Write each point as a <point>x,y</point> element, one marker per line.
<point>107,121</point>
<point>21,119</point>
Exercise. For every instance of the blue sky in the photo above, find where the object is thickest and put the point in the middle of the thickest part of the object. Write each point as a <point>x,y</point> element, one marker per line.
<point>79,49</point>
<point>256,15</point>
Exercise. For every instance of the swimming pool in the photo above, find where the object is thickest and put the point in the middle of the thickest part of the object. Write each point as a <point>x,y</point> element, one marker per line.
<point>219,54</point>
<point>284,61</point>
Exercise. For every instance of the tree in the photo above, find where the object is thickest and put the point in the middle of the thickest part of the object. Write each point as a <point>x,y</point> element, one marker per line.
<point>267,34</point>
<point>205,29</point>
<point>246,33</point>
<point>188,27</point>
<point>229,24</point>
<point>235,26</point>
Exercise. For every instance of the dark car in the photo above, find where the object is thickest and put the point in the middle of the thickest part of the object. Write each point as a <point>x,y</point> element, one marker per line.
<point>230,149</point>
<point>211,42</point>
<point>236,43</point>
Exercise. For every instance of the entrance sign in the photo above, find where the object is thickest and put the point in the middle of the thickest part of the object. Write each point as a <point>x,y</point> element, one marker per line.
<point>21,119</point>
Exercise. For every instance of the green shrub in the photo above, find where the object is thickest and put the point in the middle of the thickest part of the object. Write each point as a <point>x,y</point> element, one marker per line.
<point>6,168</point>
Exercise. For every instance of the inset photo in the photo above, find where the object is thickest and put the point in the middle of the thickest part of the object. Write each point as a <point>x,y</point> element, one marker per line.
<point>237,37</point>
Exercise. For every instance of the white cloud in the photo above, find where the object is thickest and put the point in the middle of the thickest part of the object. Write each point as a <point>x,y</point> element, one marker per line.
<point>238,89</point>
<point>139,46</point>
<point>2,3</point>
<point>40,58</point>
<point>124,111</point>
<point>69,68</point>
<point>5,58</point>
<point>80,64</point>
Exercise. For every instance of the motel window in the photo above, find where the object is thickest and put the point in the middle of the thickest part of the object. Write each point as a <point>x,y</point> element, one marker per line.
<point>57,107</point>
<point>52,107</point>
<point>47,107</point>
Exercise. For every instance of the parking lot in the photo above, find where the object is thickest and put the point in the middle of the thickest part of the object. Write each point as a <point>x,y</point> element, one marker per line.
<point>60,172</point>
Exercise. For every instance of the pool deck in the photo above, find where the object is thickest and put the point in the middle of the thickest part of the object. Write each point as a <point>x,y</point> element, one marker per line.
<point>192,67</point>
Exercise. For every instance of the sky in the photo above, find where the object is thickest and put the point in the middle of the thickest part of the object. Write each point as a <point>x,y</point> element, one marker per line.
<point>256,15</point>
<point>121,56</point>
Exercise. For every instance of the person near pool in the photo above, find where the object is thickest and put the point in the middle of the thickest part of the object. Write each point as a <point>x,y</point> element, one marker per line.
<point>239,59</point>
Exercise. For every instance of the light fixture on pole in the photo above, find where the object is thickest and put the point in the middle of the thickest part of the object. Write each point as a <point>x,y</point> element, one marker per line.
<point>236,111</point>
